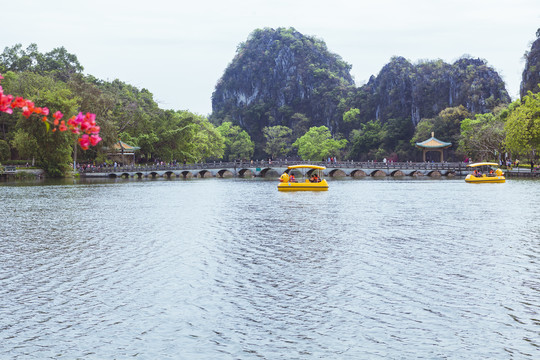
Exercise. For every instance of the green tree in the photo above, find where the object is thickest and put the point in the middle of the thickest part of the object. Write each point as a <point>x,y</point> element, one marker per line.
<point>351,116</point>
<point>147,142</point>
<point>299,124</point>
<point>367,140</point>
<point>176,136</point>
<point>95,100</point>
<point>482,137</point>
<point>523,125</point>
<point>58,63</point>
<point>238,144</point>
<point>318,144</point>
<point>25,144</point>
<point>209,143</point>
<point>5,152</point>
<point>54,149</point>
<point>278,140</point>
<point>242,147</point>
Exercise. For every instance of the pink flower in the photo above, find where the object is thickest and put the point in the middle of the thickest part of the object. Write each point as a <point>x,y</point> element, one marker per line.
<point>85,125</point>
<point>94,140</point>
<point>5,102</point>
<point>19,102</point>
<point>84,142</point>
<point>91,117</point>
<point>79,119</point>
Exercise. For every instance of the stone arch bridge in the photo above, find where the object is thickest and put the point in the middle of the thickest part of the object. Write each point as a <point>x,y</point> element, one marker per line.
<point>266,169</point>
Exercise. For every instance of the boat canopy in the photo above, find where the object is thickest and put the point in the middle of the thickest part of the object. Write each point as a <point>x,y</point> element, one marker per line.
<point>306,167</point>
<point>483,164</point>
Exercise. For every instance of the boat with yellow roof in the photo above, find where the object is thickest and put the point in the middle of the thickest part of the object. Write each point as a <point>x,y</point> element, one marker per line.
<point>313,175</point>
<point>484,173</point>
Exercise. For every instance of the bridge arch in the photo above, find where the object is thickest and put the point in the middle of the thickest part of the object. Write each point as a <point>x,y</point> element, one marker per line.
<point>337,173</point>
<point>245,173</point>
<point>224,173</point>
<point>153,175</point>
<point>138,175</point>
<point>358,173</point>
<point>204,174</point>
<point>112,176</point>
<point>434,174</point>
<point>268,172</point>
<point>417,173</point>
<point>377,173</point>
<point>124,175</point>
<point>169,174</point>
<point>397,173</point>
<point>186,175</point>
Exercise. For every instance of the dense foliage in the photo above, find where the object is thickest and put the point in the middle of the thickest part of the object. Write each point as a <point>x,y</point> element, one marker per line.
<point>523,125</point>
<point>317,144</point>
<point>125,113</point>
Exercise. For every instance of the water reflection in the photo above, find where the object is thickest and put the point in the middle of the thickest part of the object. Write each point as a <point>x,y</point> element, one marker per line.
<point>234,269</point>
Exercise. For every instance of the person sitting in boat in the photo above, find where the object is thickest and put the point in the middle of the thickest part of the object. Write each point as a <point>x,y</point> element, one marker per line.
<point>313,178</point>
<point>291,178</point>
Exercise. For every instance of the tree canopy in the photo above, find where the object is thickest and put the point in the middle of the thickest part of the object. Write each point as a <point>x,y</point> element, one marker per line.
<point>278,140</point>
<point>523,125</point>
<point>318,144</point>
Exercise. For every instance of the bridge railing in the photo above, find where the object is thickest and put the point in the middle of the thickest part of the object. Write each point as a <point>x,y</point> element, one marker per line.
<point>453,166</point>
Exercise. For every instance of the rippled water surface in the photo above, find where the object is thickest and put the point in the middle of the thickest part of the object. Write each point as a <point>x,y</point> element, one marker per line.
<point>234,269</point>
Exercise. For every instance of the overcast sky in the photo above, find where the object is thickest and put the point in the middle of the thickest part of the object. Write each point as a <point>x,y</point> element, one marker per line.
<point>178,49</point>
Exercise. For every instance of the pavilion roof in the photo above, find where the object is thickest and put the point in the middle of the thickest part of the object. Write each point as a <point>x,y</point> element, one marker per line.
<point>121,146</point>
<point>433,143</point>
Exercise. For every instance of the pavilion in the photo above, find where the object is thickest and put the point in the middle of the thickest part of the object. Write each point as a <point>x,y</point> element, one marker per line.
<point>433,144</point>
<point>120,150</point>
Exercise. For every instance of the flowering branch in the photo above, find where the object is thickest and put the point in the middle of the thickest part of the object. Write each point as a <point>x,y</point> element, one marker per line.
<point>84,126</point>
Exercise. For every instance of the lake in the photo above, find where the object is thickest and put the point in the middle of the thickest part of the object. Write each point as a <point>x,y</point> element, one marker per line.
<point>233,269</point>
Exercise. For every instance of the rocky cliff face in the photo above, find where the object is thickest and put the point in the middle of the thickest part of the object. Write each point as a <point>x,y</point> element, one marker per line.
<point>422,91</point>
<point>277,73</point>
<point>530,79</point>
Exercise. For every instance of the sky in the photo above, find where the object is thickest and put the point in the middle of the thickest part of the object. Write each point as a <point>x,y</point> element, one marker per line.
<point>179,49</point>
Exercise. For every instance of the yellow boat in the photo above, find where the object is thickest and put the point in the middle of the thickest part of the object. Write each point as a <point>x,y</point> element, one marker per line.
<point>288,183</point>
<point>484,173</point>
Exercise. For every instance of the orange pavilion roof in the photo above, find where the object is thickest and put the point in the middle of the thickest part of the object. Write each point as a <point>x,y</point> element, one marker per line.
<point>122,146</point>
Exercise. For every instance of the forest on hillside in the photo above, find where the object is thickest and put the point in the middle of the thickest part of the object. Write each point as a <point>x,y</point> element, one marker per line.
<point>283,95</point>
<point>280,77</point>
